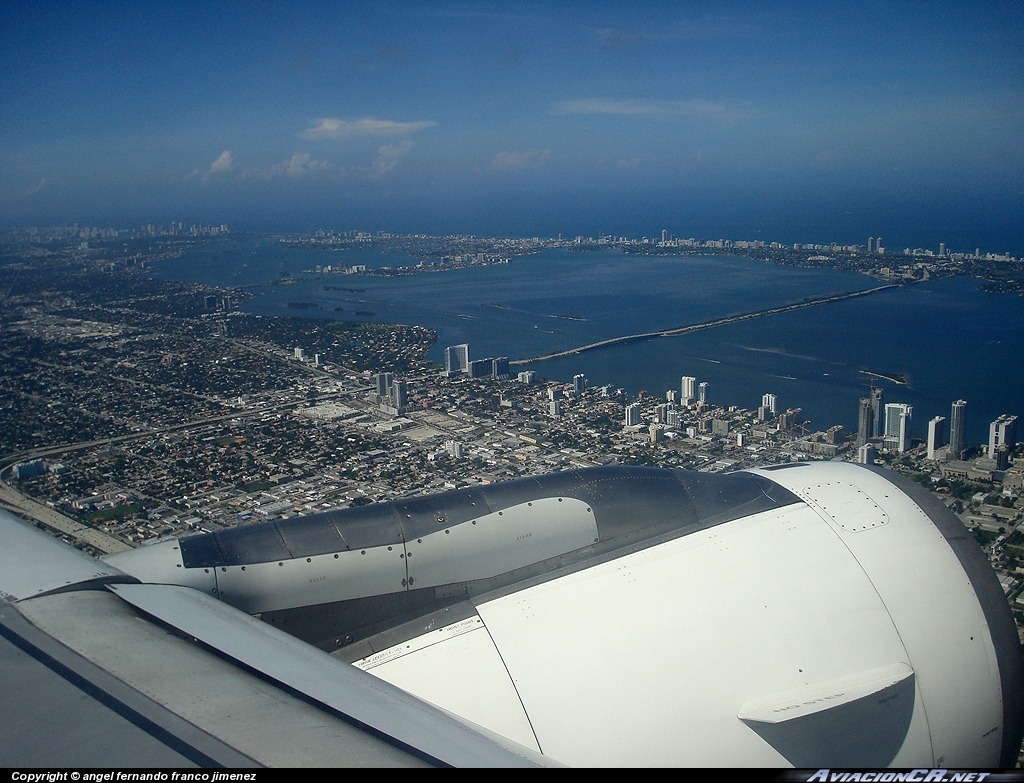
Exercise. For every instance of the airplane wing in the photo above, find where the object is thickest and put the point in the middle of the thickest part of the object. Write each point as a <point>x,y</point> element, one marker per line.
<point>809,615</point>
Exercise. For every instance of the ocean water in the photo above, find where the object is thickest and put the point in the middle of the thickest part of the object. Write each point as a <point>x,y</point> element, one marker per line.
<point>950,340</point>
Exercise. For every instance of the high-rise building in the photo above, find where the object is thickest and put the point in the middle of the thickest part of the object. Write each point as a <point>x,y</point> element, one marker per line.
<point>865,421</point>
<point>527,376</point>
<point>399,395</point>
<point>936,435</point>
<point>555,408</point>
<point>897,426</point>
<point>633,414</point>
<point>456,358</point>
<point>876,409</point>
<point>1002,432</point>
<point>480,368</point>
<point>789,419</point>
<point>871,244</point>
<point>702,392</point>
<point>384,381</point>
<point>688,390</point>
<point>770,401</point>
<point>579,383</point>
<point>500,368</point>
<point>958,429</point>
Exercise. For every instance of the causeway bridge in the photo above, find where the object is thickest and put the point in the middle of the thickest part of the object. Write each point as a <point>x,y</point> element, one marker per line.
<point>732,319</point>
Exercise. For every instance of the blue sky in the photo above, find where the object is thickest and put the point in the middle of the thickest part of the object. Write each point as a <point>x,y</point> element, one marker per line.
<point>807,122</point>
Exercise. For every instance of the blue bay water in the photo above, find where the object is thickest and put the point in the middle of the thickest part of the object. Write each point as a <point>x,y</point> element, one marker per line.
<point>950,340</point>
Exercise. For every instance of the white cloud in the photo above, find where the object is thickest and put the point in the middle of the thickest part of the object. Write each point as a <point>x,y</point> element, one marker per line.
<point>225,162</point>
<point>511,160</point>
<point>389,156</point>
<point>714,110</point>
<point>301,165</point>
<point>334,128</point>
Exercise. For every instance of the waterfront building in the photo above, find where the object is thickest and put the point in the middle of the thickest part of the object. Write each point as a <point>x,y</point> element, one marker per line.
<point>876,409</point>
<point>936,435</point>
<point>527,376</point>
<point>865,421</point>
<point>958,429</point>
<point>481,368</point>
<point>579,383</point>
<point>689,389</point>
<point>672,396</point>
<point>770,401</point>
<point>897,426</point>
<point>500,369</point>
<point>456,358</point>
<point>1002,432</point>
<point>790,419</point>
<point>702,392</point>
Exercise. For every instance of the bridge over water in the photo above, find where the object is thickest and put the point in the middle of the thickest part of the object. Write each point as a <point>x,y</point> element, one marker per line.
<point>732,319</point>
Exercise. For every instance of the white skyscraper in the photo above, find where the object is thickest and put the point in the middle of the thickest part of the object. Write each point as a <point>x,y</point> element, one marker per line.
<point>1002,432</point>
<point>456,358</point>
<point>897,426</point>
<point>399,394</point>
<point>702,392</point>
<point>770,402</point>
<point>633,414</point>
<point>689,389</point>
<point>936,435</point>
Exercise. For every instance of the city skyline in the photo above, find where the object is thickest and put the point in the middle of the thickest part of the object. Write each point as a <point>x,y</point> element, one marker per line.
<point>806,123</point>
